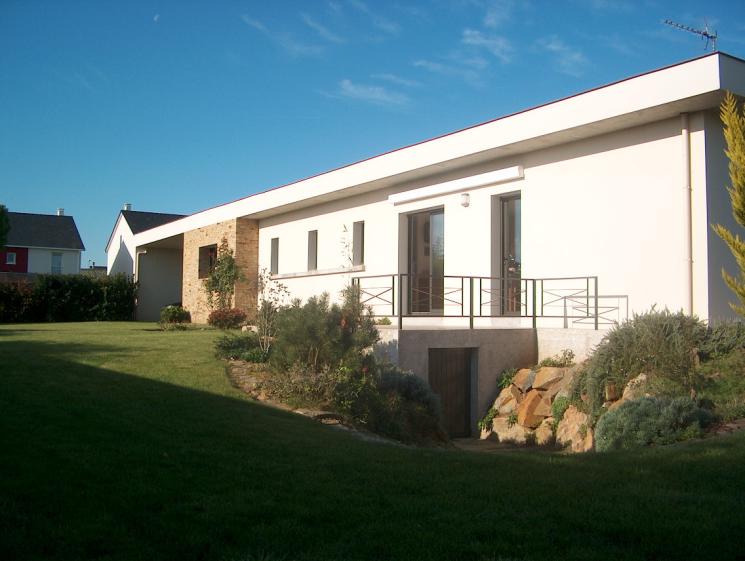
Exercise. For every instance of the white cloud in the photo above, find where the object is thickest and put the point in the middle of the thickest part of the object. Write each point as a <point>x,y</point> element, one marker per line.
<point>322,30</point>
<point>496,45</point>
<point>283,39</point>
<point>385,25</point>
<point>378,95</point>
<point>498,12</point>
<point>393,79</point>
<point>570,60</point>
<point>453,70</point>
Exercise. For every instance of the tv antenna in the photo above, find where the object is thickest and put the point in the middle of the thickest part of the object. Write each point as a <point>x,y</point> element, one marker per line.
<point>709,36</point>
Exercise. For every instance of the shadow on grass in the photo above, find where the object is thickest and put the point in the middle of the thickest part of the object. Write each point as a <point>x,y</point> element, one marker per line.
<point>101,464</point>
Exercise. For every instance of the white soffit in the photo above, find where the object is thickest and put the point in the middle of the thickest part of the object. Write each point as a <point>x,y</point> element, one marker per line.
<point>456,185</point>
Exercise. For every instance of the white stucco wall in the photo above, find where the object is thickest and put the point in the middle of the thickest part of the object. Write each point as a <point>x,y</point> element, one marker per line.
<point>159,274</point>
<point>121,250</point>
<point>611,206</point>
<point>40,260</point>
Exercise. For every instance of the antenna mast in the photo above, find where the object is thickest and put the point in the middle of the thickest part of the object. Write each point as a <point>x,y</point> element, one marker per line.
<point>709,36</point>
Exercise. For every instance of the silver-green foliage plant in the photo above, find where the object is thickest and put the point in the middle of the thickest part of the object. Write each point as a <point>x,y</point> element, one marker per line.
<point>650,421</point>
<point>656,342</point>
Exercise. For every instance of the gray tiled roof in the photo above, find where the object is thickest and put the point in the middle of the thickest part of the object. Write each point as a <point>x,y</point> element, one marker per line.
<point>140,221</point>
<point>43,230</point>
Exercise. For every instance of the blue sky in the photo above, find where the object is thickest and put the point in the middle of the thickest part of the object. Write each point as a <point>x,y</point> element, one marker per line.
<point>176,106</point>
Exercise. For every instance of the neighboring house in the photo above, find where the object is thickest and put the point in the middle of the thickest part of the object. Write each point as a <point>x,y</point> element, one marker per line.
<point>530,228</point>
<point>42,243</point>
<point>120,249</point>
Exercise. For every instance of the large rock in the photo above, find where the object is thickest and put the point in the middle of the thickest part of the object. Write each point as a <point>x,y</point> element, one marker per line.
<point>544,434</point>
<point>567,382</point>
<point>526,412</point>
<point>523,380</point>
<point>574,429</point>
<point>507,400</point>
<point>544,407</point>
<point>510,433</point>
<point>547,376</point>
<point>635,388</point>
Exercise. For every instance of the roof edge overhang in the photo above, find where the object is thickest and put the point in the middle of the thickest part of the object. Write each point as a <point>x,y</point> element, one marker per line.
<point>683,87</point>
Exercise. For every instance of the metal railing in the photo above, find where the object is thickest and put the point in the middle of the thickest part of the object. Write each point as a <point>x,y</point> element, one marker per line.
<point>575,300</point>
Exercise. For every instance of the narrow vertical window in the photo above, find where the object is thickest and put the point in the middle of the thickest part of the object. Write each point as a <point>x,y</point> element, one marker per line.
<point>56,263</point>
<point>358,243</point>
<point>274,265</point>
<point>313,250</point>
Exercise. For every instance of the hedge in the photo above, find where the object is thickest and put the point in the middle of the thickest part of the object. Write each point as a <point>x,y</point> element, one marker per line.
<point>52,298</point>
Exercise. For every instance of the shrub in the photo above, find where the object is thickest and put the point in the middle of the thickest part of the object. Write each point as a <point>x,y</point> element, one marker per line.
<point>486,422</point>
<point>320,336</point>
<point>724,384</point>
<point>559,407</point>
<point>722,340</point>
<point>231,318</point>
<point>235,345</point>
<point>174,317</point>
<point>506,377</point>
<point>650,420</point>
<point>562,360</point>
<point>656,342</point>
<point>68,298</point>
<point>257,355</point>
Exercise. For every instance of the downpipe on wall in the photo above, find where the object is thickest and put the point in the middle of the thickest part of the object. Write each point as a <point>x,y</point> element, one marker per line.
<point>686,139</point>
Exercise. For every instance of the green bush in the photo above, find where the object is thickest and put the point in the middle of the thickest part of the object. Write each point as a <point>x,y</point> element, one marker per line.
<point>724,384</point>
<point>722,340</point>
<point>650,420</point>
<point>257,355</point>
<point>662,343</point>
<point>485,423</point>
<point>562,360</point>
<point>506,377</point>
<point>321,336</point>
<point>173,317</point>
<point>230,318</point>
<point>559,407</point>
<point>236,345</point>
<point>56,298</point>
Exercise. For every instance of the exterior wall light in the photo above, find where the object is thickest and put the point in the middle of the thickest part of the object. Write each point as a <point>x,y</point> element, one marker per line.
<point>465,200</point>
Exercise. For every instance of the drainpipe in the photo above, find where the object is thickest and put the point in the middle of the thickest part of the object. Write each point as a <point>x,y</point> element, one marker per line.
<point>686,139</point>
<point>138,252</point>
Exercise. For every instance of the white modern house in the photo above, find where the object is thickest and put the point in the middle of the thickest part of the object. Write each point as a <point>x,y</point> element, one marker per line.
<point>501,242</point>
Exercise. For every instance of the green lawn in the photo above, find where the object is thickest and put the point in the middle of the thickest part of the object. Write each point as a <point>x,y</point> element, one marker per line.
<point>121,442</point>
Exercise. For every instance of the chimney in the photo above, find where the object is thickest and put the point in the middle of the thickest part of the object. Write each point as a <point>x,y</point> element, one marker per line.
<point>127,206</point>
<point>60,212</point>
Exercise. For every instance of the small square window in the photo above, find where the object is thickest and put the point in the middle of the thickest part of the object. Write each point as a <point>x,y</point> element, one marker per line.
<point>207,260</point>
<point>10,258</point>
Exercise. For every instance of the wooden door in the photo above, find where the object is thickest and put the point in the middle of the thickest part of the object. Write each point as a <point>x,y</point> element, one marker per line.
<point>450,378</point>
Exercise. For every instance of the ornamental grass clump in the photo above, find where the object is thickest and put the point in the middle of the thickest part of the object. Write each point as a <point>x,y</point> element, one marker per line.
<point>174,317</point>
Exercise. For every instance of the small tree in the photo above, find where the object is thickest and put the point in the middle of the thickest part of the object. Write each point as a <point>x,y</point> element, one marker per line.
<point>733,118</point>
<point>4,226</point>
<point>220,284</point>
<point>272,296</point>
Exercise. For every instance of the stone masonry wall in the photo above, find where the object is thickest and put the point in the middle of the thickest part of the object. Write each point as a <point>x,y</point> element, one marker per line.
<point>242,235</point>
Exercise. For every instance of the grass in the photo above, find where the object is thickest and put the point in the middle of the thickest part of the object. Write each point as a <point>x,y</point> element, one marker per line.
<point>118,441</point>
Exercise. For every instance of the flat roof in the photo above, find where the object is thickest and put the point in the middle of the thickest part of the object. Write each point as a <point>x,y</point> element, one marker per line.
<point>686,86</point>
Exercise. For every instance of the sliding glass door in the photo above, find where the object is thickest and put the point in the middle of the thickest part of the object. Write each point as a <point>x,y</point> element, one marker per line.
<point>427,262</point>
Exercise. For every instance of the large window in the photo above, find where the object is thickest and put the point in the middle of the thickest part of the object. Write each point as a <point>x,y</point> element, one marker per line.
<point>358,243</point>
<point>274,264</point>
<point>10,258</point>
<point>56,263</point>
<point>313,250</point>
<point>207,259</point>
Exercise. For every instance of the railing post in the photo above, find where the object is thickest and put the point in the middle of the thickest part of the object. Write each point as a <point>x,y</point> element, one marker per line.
<point>393,295</point>
<point>535,301</point>
<point>470,305</point>
<point>597,319</point>
<point>400,303</point>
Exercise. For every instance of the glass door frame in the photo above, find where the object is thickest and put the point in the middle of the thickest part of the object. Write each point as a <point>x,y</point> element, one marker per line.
<point>426,288</point>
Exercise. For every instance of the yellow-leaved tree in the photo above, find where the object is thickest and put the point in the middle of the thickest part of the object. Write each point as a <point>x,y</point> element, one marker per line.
<point>733,119</point>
